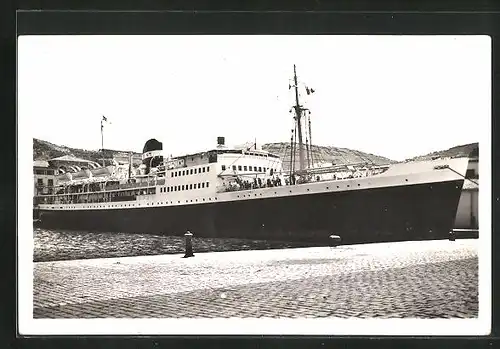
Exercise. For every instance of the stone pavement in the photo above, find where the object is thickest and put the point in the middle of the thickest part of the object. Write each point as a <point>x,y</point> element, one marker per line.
<point>425,279</point>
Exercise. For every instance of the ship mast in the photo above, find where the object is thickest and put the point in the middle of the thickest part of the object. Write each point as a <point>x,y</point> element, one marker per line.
<point>298,113</point>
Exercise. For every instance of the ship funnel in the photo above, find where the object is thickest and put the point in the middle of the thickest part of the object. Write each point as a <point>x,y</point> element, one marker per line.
<point>152,154</point>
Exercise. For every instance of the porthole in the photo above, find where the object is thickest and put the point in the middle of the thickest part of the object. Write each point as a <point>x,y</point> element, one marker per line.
<point>327,187</point>
<point>338,187</point>
<point>275,193</point>
<point>210,199</point>
<point>307,189</point>
<point>239,196</point>
<point>290,191</point>
<point>406,179</point>
<point>359,185</point>
<point>348,186</point>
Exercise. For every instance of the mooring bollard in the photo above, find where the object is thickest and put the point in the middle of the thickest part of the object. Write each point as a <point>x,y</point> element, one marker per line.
<point>334,240</point>
<point>189,245</point>
<point>451,236</point>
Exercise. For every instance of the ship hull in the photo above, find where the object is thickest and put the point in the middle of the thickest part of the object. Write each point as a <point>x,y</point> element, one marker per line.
<point>398,213</point>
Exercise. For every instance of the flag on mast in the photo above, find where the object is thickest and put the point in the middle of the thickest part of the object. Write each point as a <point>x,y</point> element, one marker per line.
<point>104,119</point>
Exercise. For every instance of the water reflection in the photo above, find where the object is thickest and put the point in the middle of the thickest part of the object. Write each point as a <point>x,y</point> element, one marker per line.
<point>53,245</point>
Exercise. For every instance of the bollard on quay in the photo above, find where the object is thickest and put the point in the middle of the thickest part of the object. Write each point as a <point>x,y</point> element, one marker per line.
<point>334,240</point>
<point>451,236</point>
<point>189,245</point>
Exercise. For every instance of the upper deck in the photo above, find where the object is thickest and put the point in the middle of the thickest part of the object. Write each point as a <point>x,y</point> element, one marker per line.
<point>194,174</point>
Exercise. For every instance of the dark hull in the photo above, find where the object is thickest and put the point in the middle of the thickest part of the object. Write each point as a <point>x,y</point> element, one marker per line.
<point>414,212</point>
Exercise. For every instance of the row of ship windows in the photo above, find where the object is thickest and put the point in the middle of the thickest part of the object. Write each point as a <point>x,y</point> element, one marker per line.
<point>166,202</point>
<point>246,168</point>
<point>207,169</point>
<point>193,186</point>
<point>184,187</point>
<point>190,172</point>
<point>138,205</point>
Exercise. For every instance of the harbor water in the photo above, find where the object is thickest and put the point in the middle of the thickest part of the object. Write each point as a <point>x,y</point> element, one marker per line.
<point>54,245</point>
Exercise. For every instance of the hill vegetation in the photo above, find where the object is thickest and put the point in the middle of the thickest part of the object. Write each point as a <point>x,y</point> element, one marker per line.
<point>325,156</point>
<point>43,150</point>
<point>321,155</point>
<point>471,149</point>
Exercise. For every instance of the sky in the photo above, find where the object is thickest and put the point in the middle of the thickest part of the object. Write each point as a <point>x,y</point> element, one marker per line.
<point>394,96</point>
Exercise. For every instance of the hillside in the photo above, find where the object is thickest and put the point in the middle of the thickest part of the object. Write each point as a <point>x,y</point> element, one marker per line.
<point>43,150</point>
<point>322,155</point>
<point>471,149</point>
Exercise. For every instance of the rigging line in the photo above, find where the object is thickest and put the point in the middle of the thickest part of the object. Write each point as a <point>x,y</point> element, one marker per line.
<point>464,177</point>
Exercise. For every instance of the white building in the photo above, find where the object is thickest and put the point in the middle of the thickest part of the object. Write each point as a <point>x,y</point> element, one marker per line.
<point>44,177</point>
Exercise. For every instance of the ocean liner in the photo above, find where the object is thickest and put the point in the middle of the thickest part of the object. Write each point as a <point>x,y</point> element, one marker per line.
<point>244,192</point>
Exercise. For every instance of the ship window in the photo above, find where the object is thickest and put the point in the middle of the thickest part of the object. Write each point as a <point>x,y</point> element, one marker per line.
<point>190,186</point>
<point>172,174</point>
<point>183,173</point>
<point>195,170</point>
<point>51,182</point>
<point>260,169</point>
<point>234,167</point>
<point>191,171</point>
<point>183,187</point>
<point>244,168</point>
<point>203,169</point>
<point>223,167</point>
<point>203,185</point>
<point>255,168</point>
<point>207,184</point>
<point>208,169</point>
<point>239,167</point>
<point>175,173</point>
<point>199,185</point>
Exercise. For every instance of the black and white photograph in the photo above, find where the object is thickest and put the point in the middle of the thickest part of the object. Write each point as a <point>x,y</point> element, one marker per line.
<point>260,184</point>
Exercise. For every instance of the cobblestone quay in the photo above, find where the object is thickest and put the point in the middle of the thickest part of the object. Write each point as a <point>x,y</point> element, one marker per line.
<point>427,279</point>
